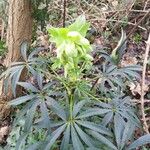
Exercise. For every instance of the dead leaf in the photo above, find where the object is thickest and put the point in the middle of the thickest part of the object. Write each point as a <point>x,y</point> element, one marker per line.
<point>43,41</point>
<point>5,109</point>
<point>136,88</point>
<point>115,3</point>
<point>4,131</point>
<point>128,60</point>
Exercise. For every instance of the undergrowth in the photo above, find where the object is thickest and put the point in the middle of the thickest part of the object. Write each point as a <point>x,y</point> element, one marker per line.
<point>73,101</point>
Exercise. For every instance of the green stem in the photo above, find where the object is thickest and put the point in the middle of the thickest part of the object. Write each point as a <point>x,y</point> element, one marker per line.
<point>97,99</point>
<point>71,105</point>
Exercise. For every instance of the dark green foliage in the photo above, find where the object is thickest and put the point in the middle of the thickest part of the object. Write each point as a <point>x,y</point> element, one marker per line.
<point>65,110</point>
<point>40,12</point>
<point>2,48</point>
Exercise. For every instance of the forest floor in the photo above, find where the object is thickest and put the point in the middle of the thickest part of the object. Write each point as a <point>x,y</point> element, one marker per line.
<point>105,34</point>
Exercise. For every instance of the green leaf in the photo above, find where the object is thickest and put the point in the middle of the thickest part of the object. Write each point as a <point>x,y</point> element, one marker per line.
<point>34,146</point>
<point>56,108</point>
<point>128,131</point>
<point>102,139</point>
<point>15,79</point>
<point>54,137</point>
<point>23,111</point>
<point>58,35</point>
<point>21,100</point>
<point>45,115</point>
<point>40,80</point>
<point>94,127</point>
<point>28,86</point>
<point>85,138</point>
<point>77,145</point>
<point>93,112</point>
<point>21,141</point>
<point>120,48</point>
<point>9,71</point>
<point>119,125</point>
<point>30,116</point>
<point>66,139</point>
<point>80,25</point>
<point>140,142</point>
<point>77,107</point>
<point>107,118</point>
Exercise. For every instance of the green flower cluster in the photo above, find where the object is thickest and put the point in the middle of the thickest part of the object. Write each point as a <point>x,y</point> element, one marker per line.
<point>72,48</point>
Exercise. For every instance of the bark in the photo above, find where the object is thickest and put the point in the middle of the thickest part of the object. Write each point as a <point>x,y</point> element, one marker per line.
<point>2,30</point>
<point>19,29</point>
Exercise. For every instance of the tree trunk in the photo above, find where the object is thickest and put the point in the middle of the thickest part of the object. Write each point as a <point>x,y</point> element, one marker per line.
<point>19,29</point>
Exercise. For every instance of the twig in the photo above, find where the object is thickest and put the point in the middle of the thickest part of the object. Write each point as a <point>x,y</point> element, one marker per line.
<point>139,102</point>
<point>135,27</point>
<point>146,3</point>
<point>120,21</point>
<point>146,14</point>
<point>143,84</point>
<point>64,12</point>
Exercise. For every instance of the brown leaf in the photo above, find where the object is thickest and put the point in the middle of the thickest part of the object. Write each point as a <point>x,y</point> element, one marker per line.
<point>136,88</point>
<point>128,60</point>
<point>4,131</point>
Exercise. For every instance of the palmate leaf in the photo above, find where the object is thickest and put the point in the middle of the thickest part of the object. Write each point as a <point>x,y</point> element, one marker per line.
<point>140,142</point>
<point>127,133</point>
<point>66,139</point>
<point>116,77</point>
<point>12,75</point>
<point>56,108</point>
<point>15,79</point>
<point>21,141</point>
<point>77,107</point>
<point>35,146</point>
<point>102,139</point>
<point>45,115</point>
<point>119,125</point>
<point>85,138</point>
<point>51,140</point>
<point>107,118</point>
<point>21,100</point>
<point>23,111</point>
<point>28,86</point>
<point>122,115</point>
<point>14,72</point>
<point>30,116</point>
<point>92,112</point>
<point>77,144</point>
<point>39,78</point>
<point>94,127</point>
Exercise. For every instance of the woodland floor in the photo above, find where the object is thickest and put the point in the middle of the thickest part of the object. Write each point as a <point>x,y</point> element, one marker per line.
<point>107,35</point>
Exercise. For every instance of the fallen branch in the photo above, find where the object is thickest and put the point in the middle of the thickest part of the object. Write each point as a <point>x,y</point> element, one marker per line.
<point>137,101</point>
<point>143,85</point>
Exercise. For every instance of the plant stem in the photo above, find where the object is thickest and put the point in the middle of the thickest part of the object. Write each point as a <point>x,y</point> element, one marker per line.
<point>143,85</point>
<point>71,105</point>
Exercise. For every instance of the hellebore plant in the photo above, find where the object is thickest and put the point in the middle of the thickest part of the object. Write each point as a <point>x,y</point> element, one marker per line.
<point>72,49</point>
<point>66,112</point>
